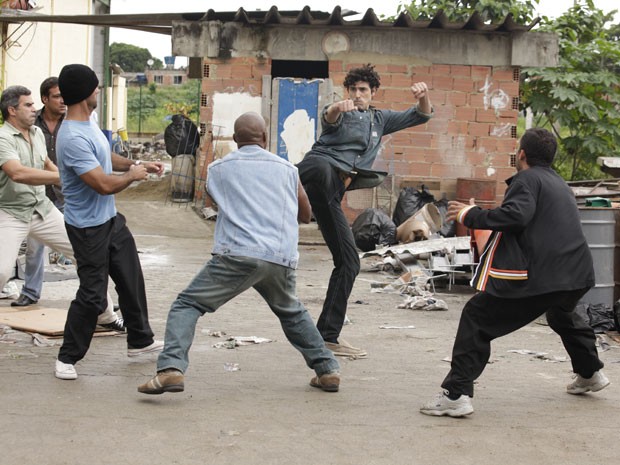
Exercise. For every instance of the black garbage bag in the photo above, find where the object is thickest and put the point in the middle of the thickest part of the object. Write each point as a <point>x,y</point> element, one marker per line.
<point>373,227</point>
<point>181,137</point>
<point>601,317</point>
<point>410,200</point>
<point>617,315</point>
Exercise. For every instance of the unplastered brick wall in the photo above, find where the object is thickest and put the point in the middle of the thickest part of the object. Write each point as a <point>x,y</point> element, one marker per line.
<point>237,84</point>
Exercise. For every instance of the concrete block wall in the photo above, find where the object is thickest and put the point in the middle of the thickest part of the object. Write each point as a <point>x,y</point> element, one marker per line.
<point>472,135</point>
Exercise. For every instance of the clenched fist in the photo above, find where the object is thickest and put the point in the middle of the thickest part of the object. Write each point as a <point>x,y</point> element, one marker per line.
<point>419,90</point>
<point>344,105</point>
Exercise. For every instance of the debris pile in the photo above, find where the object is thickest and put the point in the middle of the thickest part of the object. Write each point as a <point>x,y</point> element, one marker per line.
<point>417,266</point>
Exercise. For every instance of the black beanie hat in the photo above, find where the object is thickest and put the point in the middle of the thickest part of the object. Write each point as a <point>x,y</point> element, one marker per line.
<point>76,83</point>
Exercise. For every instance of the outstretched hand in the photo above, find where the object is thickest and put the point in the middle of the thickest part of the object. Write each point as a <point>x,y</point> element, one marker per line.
<point>454,207</point>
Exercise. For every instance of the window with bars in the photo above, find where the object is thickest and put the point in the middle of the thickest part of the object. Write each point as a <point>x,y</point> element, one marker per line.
<point>204,100</point>
<point>206,70</point>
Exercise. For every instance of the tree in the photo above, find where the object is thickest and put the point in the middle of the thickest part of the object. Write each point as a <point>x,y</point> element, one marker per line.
<point>580,99</point>
<point>461,10</point>
<point>131,58</point>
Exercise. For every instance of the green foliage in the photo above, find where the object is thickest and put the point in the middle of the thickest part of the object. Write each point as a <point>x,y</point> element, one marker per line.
<point>131,58</point>
<point>159,102</point>
<point>461,10</point>
<point>580,99</point>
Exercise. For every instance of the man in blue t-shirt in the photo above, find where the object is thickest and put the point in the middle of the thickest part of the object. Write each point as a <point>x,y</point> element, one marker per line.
<point>49,119</point>
<point>102,243</point>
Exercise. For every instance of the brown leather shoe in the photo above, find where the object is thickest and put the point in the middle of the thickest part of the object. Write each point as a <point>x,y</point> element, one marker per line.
<point>170,380</point>
<point>344,349</point>
<point>329,382</point>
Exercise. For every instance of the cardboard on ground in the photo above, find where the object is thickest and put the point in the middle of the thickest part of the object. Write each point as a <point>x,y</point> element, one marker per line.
<point>42,320</point>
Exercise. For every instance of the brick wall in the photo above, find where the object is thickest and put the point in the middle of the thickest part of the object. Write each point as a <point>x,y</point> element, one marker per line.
<point>220,76</point>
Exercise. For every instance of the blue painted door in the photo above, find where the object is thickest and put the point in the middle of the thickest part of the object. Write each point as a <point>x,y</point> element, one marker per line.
<point>298,102</point>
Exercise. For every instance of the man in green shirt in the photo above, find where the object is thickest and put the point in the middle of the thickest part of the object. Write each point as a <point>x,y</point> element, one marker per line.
<point>25,170</point>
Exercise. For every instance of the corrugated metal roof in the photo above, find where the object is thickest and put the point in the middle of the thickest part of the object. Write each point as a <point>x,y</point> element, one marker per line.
<point>162,22</point>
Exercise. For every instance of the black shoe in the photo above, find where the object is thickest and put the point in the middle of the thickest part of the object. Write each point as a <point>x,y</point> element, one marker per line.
<point>23,301</point>
<point>117,325</point>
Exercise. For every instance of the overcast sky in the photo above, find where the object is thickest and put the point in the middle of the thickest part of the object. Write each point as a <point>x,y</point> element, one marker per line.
<point>160,45</point>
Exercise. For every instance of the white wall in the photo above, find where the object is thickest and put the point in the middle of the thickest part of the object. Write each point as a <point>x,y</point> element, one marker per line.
<point>41,50</point>
<point>117,104</point>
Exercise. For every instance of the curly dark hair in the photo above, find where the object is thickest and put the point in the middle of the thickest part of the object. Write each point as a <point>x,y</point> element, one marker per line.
<point>366,73</point>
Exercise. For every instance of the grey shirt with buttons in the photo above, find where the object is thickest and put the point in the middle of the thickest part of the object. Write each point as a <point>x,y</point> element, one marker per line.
<point>352,143</point>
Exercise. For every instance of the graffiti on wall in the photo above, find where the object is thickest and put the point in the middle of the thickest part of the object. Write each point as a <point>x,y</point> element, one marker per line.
<point>494,98</point>
<point>501,130</point>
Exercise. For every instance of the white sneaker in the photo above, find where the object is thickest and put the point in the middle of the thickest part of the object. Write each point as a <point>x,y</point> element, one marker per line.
<point>9,291</point>
<point>156,346</point>
<point>443,405</point>
<point>65,370</point>
<point>597,382</point>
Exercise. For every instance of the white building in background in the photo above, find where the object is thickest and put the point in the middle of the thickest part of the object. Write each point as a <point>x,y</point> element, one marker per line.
<point>33,51</point>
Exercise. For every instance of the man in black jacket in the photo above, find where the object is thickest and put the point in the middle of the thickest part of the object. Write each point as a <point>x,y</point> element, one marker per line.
<point>536,261</point>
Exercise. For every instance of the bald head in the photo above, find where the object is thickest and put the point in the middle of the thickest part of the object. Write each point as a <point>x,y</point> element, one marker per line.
<point>250,129</point>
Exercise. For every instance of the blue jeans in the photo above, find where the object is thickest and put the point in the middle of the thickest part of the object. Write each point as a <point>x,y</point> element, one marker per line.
<point>224,277</point>
<point>34,269</point>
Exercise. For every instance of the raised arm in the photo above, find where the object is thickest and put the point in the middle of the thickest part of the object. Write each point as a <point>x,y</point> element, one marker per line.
<point>420,92</point>
<point>333,111</point>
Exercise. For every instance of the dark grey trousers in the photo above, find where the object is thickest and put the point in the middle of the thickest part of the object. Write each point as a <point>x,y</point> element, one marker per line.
<point>486,317</point>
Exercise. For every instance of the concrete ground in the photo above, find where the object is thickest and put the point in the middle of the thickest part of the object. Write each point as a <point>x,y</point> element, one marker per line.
<point>266,413</point>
